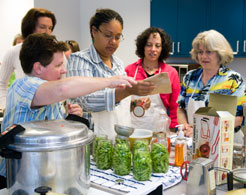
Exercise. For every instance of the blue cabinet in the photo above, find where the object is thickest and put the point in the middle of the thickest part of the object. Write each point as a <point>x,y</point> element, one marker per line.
<point>244,30</point>
<point>182,20</point>
<point>164,14</point>
<point>229,19</point>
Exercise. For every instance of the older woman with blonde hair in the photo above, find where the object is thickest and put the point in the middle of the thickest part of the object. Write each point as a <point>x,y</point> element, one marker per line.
<point>213,52</point>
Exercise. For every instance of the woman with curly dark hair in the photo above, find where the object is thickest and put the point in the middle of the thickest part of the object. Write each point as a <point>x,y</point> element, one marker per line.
<point>153,47</point>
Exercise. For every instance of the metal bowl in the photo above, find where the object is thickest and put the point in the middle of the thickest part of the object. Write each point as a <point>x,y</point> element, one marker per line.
<point>123,130</point>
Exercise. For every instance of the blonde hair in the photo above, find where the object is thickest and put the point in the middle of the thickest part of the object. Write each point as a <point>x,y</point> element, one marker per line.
<point>212,40</point>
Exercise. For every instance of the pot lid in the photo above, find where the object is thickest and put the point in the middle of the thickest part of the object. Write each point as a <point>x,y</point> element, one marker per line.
<point>51,135</point>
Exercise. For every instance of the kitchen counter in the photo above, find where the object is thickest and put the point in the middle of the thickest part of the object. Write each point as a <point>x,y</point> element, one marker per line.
<point>181,190</point>
<point>178,189</point>
<point>92,191</point>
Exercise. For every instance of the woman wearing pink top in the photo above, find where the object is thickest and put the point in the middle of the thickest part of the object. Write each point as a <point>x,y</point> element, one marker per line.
<point>153,46</point>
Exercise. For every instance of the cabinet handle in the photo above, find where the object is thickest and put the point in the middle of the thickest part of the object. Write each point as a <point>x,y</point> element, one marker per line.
<point>237,49</point>
<point>172,52</point>
<point>178,47</point>
<point>244,46</point>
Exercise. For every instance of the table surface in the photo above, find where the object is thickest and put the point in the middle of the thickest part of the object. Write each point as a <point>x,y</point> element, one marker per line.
<point>178,189</point>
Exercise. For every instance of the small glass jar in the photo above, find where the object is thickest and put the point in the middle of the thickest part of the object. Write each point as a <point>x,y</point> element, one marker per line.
<point>95,143</point>
<point>104,154</point>
<point>122,156</point>
<point>159,155</point>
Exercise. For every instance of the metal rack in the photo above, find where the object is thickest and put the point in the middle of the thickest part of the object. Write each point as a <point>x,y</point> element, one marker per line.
<point>182,70</point>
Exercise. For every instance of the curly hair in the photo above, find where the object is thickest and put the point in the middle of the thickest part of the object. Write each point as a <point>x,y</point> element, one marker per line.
<point>39,48</point>
<point>212,40</point>
<point>142,39</point>
<point>104,16</point>
<point>29,21</point>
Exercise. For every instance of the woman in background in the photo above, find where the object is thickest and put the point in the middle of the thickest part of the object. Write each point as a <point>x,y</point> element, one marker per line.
<point>213,52</point>
<point>153,47</point>
<point>72,46</point>
<point>36,20</point>
<point>18,39</point>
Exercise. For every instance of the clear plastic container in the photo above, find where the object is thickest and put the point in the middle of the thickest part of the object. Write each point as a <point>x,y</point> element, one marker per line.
<point>163,127</point>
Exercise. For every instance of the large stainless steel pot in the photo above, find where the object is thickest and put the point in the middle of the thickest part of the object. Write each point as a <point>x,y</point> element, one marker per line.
<point>53,153</point>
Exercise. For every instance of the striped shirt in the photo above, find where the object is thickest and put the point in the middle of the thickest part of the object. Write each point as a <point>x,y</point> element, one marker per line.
<point>226,81</point>
<point>88,63</point>
<point>18,107</point>
<point>19,99</point>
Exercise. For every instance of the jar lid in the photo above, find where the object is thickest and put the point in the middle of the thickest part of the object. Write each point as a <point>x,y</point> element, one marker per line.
<point>51,135</point>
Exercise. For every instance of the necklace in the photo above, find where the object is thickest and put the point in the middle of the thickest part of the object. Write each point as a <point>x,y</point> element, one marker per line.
<point>148,69</point>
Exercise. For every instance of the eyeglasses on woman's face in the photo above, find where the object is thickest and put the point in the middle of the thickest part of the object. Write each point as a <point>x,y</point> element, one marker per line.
<point>109,36</point>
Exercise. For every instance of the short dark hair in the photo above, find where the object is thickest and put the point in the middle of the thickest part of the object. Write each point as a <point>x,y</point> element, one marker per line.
<point>104,16</point>
<point>39,48</point>
<point>29,21</point>
<point>143,38</point>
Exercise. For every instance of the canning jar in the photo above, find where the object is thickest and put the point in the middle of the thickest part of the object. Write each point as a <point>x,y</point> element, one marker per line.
<point>122,156</point>
<point>104,154</point>
<point>140,144</point>
<point>159,155</point>
<point>95,143</point>
<point>142,164</point>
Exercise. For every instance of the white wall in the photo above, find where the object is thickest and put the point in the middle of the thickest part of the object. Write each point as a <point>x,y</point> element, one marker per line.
<point>73,18</point>
<point>136,16</point>
<point>11,14</point>
<point>68,17</point>
<point>73,23</point>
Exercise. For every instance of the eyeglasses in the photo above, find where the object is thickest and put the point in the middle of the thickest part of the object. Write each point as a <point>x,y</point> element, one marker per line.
<point>110,36</point>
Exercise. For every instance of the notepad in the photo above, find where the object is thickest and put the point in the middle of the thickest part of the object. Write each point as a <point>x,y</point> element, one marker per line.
<point>162,83</point>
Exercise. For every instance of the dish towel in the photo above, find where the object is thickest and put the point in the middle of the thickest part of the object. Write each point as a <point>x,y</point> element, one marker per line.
<point>107,178</point>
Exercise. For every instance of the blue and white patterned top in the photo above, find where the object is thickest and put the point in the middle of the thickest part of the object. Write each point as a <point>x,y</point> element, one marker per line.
<point>88,63</point>
<point>226,81</point>
<point>19,99</point>
<point>18,108</point>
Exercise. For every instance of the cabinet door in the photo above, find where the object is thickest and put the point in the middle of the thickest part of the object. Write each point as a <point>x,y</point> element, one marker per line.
<point>244,30</point>
<point>163,14</point>
<point>227,17</point>
<point>181,19</point>
<point>192,19</point>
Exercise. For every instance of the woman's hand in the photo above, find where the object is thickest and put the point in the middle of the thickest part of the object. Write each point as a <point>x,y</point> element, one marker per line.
<point>74,109</point>
<point>141,88</point>
<point>145,102</point>
<point>121,81</point>
<point>188,130</point>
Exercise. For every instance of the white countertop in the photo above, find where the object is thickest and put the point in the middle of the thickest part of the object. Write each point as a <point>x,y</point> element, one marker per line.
<point>92,191</point>
<point>178,189</point>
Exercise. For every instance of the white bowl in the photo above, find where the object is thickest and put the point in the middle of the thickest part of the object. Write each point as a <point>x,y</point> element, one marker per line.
<point>140,134</point>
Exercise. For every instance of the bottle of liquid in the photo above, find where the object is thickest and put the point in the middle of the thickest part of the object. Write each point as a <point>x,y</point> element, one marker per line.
<point>180,148</point>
